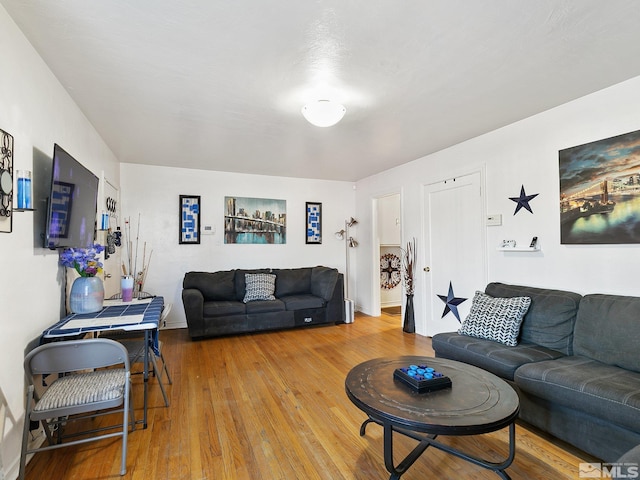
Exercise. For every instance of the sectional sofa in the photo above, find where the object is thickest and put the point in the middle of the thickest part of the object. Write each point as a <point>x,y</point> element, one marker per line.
<point>244,301</point>
<point>576,365</point>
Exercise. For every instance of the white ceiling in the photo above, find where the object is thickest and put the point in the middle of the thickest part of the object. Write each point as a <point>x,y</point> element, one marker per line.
<point>219,84</point>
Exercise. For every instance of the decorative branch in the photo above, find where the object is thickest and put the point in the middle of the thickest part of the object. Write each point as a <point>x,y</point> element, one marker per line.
<point>130,267</point>
<point>409,260</point>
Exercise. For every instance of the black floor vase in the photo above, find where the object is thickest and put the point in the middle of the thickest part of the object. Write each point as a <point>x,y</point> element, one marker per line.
<point>409,318</point>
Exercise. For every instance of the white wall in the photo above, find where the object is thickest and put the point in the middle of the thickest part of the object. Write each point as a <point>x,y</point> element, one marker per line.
<point>526,153</point>
<point>37,111</point>
<point>153,193</point>
<point>389,220</point>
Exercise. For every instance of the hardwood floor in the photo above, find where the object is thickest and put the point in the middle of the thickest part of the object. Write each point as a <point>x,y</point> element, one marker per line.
<point>273,406</point>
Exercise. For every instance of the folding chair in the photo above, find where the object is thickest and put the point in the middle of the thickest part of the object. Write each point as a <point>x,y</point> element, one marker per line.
<point>81,387</point>
<point>134,343</point>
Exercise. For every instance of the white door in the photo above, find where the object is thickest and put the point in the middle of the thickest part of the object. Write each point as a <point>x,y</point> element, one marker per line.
<point>108,203</point>
<point>455,265</point>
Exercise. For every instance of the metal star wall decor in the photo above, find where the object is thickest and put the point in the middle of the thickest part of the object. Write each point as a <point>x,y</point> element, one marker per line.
<point>451,303</point>
<point>523,200</point>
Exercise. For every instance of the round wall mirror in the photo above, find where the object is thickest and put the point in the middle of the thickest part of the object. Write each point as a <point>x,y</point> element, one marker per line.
<point>6,182</point>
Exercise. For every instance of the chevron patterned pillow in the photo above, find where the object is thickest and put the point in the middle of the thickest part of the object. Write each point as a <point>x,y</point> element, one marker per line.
<point>496,319</point>
<point>259,286</point>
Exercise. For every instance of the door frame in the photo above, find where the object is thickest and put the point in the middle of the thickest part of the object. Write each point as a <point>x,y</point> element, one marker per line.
<point>376,309</point>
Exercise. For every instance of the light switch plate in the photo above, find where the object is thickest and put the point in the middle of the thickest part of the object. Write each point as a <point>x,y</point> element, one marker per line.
<point>494,220</point>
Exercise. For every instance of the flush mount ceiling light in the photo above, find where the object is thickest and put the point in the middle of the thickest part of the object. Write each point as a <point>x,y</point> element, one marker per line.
<point>323,113</point>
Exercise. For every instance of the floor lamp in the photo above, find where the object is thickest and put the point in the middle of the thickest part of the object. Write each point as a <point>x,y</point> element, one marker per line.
<point>349,242</point>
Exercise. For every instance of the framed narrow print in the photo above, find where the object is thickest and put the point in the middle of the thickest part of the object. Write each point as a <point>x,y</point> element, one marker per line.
<point>314,223</point>
<point>189,219</point>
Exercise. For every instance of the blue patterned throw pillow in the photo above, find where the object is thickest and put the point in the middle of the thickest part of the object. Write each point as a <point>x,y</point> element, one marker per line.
<point>259,286</point>
<point>496,319</point>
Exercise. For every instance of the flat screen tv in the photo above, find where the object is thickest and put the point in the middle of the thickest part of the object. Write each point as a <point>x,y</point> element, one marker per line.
<point>72,206</point>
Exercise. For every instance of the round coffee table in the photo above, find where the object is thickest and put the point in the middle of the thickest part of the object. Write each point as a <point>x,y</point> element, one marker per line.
<point>477,402</point>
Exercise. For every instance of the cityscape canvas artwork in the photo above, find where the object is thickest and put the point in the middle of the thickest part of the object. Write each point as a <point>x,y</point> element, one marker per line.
<point>600,191</point>
<point>255,220</point>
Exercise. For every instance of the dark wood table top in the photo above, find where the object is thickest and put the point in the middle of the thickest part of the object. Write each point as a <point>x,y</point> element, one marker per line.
<point>477,402</point>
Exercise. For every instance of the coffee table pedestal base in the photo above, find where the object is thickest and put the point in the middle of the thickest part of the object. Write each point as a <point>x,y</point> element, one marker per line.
<point>426,441</point>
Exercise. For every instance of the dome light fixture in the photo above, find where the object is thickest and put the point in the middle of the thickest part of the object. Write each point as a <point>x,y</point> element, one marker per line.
<point>323,113</point>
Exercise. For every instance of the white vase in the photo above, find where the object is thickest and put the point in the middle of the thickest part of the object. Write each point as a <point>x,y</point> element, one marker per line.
<point>87,295</point>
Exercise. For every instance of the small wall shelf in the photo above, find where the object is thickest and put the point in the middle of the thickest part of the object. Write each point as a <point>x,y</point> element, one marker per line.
<point>24,209</point>
<point>518,249</point>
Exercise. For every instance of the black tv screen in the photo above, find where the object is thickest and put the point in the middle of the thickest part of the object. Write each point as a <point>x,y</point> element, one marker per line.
<point>71,216</point>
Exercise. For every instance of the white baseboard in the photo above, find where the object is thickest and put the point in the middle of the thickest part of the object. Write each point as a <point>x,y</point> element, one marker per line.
<point>390,304</point>
<point>174,325</point>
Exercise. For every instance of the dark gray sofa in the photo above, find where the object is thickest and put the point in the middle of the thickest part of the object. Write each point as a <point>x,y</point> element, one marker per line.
<point>576,367</point>
<point>628,465</point>
<point>214,306</point>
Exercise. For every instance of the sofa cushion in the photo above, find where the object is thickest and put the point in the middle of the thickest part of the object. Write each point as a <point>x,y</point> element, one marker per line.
<point>263,306</point>
<point>496,319</point>
<point>586,385</point>
<point>494,357</point>
<point>220,308</point>
<point>301,302</point>
<point>605,330</point>
<point>292,281</point>
<point>214,286</point>
<point>323,282</point>
<point>259,286</point>
<point>550,318</point>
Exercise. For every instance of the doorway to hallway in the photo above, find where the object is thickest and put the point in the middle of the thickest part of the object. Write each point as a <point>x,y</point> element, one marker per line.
<point>387,293</point>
